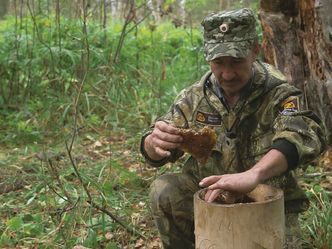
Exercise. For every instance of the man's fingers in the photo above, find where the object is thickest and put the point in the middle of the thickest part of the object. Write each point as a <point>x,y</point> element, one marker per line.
<point>217,185</point>
<point>165,145</point>
<point>161,125</point>
<point>214,194</point>
<point>227,197</point>
<point>162,153</point>
<point>169,137</point>
<point>207,194</point>
<point>209,180</point>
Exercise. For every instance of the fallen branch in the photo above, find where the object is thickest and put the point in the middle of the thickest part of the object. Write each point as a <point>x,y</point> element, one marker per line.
<point>132,230</point>
<point>95,205</point>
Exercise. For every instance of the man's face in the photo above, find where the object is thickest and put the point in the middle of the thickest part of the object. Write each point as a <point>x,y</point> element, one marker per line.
<point>232,73</point>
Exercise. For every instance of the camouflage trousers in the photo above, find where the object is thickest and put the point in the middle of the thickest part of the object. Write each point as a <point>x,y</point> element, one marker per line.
<point>171,198</point>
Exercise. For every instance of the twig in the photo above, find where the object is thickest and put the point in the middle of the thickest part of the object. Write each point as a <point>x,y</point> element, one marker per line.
<point>67,209</point>
<point>55,192</point>
<point>77,172</point>
<point>95,205</point>
<point>128,228</point>
<point>39,35</point>
<point>70,146</point>
<point>54,172</point>
<point>137,23</point>
<point>130,16</point>
<point>76,112</point>
<point>309,175</point>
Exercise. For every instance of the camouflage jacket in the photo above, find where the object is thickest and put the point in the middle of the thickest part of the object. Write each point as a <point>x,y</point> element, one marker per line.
<point>264,113</point>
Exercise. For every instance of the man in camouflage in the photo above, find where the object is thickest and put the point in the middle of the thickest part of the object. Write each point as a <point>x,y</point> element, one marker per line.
<point>263,132</point>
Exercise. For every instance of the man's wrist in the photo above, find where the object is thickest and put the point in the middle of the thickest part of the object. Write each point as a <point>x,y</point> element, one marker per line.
<point>258,174</point>
<point>272,164</point>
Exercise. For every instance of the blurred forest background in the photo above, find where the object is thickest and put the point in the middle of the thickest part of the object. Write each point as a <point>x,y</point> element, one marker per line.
<point>79,82</point>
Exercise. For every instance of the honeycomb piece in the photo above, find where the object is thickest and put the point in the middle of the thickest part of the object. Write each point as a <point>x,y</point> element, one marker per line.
<point>198,143</point>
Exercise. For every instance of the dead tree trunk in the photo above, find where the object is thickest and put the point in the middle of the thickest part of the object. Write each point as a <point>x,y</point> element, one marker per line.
<point>297,39</point>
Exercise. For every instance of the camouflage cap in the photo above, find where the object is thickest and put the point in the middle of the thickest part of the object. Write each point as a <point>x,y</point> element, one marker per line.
<point>229,33</point>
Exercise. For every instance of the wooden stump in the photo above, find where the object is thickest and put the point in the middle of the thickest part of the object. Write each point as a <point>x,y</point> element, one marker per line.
<point>256,225</point>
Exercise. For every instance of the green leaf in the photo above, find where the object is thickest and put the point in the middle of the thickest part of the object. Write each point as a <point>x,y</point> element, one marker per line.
<point>15,223</point>
<point>111,245</point>
<point>4,240</point>
<point>28,218</point>
<point>91,240</point>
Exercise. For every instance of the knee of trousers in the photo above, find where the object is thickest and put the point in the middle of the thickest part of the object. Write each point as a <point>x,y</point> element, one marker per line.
<point>165,191</point>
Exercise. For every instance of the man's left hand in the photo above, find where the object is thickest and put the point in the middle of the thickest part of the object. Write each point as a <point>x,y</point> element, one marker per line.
<point>236,184</point>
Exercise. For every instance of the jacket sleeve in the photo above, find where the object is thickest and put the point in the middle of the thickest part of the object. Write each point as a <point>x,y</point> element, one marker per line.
<point>297,125</point>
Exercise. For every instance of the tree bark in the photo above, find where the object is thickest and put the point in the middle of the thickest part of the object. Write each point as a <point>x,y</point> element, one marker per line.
<point>297,39</point>
<point>4,4</point>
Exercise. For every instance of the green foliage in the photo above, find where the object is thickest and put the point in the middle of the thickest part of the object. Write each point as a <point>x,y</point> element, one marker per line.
<point>42,67</point>
<point>19,227</point>
<point>317,221</point>
<point>52,211</point>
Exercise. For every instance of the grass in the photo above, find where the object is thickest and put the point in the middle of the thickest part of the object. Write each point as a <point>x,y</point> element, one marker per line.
<point>43,204</point>
<point>316,222</point>
<point>50,209</point>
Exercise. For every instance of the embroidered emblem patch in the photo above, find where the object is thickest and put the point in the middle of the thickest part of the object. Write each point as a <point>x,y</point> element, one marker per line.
<point>223,27</point>
<point>200,117</point>
<point>208,118</point>
<point>290,105</point>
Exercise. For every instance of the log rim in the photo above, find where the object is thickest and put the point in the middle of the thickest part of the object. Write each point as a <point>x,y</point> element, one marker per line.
<point>279,194</point>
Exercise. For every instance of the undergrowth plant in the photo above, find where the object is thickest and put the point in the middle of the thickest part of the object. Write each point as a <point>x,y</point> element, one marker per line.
<point>52,211</point>
<point>317,221</point>
<point>41,68</point>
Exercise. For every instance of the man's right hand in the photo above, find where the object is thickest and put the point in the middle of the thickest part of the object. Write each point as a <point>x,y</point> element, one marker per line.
<point>163,138</point>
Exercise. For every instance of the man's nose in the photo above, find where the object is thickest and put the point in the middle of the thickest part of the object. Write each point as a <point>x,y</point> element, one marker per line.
<point>228,74</point>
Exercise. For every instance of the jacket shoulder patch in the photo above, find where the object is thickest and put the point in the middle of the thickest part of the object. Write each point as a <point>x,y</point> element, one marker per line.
<point>290,105</point>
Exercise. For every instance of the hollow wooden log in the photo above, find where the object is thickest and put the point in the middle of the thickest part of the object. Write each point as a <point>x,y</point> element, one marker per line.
<point>256,225</point>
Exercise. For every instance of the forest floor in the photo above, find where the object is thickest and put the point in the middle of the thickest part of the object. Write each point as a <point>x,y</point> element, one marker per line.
<point>35,181</point>
<point>44,205</point>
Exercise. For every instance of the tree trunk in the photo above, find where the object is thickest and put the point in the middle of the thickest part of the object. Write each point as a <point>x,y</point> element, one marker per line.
<point>297,39</point>
<point>224,4</point>
<point>4,4</point>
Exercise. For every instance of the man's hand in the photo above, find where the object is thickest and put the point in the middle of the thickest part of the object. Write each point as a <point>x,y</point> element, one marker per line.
<point>272,164</point>
<point>234,184</point>
<point>163,138</point>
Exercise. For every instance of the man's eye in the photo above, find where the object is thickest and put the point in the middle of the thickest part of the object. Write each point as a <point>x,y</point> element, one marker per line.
<point>238,61</point>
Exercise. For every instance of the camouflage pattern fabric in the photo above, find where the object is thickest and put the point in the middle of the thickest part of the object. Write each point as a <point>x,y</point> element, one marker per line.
<point>229,33</point>
<point>293,232</point>
<point>269,110</point>
<point>171,198</point>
